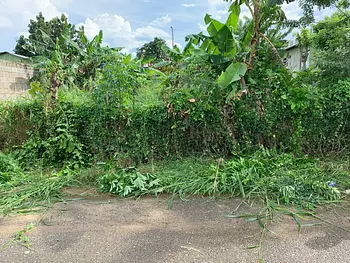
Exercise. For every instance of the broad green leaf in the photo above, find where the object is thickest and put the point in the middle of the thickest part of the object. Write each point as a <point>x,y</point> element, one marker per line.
<point>127,59</point>
<point>233,73</point>
<point>205,44</point>
<point>232,20</point>
<point>162,64</point>
<point>225,40</point>
<point>84,39</point>
<point>217,59</point>
<point>249,35</point>
<point>139,183</point>
<point>36,88</point>
<point>100,37</point>
<point>153,72</point>
<point>235,7</point>
<point>214,27</point>
<point>207,19</point>
<point>213,49</point>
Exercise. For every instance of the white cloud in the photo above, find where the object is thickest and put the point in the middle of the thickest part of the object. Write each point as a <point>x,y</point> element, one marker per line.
<point>202,27</point>
<point>62,2</point>
<point>216,2</point>
<point>170,44</point>
<point>189,5</point>
<point>245,12</point>
<point>91,28</point>
<point>218,9</point>
<point>292,10</point>
<point>119,33</point>
<point>320,14</point>
<point>28,9</point>
<point>110,24</point>
<point>16,14</point>
<point>149,32</point>
<point>161,21</point>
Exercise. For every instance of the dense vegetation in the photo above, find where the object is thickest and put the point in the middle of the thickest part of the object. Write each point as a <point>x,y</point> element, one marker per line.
<point>223,116</point>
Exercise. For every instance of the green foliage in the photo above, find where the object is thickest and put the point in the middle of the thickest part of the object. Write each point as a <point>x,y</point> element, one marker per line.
<point>129,181</point>
<point>326,121</point>
<point>14,123</point>
<point>21,238</point>
<point>70,64</point>
<point>331,39</point>
<point>27,192</point>
<point>52,140</point>
<point>222,45</point>
<point>283,179</point>
<point>233,73</point>
<point>43,34</point>
<point>227,94</point>
<point>153,50</point>
<point>8,167</point>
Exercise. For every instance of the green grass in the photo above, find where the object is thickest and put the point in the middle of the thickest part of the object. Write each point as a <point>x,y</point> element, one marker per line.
<point>32,191</point>
<point>275,179</point>
<point>283,179</point>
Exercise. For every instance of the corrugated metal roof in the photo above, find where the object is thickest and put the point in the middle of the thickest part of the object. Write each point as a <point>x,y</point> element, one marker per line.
<point>16,55</point>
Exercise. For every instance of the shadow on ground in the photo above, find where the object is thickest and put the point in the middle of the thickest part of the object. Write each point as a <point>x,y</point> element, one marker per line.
<point>125,230</point>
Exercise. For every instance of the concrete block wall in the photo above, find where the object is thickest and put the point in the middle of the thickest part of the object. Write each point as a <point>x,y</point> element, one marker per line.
<point>14,80</point>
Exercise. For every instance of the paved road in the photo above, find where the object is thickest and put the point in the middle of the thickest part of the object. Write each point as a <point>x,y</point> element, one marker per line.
<point>124,230</point>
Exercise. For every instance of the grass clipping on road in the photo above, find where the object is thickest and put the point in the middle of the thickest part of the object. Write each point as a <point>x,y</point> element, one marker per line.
<point>24,192</point>
<point>280,178</point>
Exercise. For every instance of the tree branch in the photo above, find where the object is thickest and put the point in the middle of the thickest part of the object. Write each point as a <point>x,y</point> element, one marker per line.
<point>273,47</point>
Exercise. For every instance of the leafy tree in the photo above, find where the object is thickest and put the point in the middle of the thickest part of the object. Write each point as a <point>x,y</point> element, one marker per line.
<point>331,40</point>
<point>43,34</point>
<point>304,41</point>
<point>235,50</point>
<point>153,50</point>
<point>73,65</point>
<point>20,47</point>
<point>308,7</point>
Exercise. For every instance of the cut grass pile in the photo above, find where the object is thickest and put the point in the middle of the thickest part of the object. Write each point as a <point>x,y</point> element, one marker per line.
<point>21,192</point>
<point>282,179</point>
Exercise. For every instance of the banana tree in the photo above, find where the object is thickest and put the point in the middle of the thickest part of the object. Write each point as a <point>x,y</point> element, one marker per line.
<point>222,45</point>
<point>233,47</point>
<point>51,69</point>
<point>89,56</point>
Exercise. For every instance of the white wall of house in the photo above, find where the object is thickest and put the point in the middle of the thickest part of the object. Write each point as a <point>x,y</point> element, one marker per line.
<point>293,58</point>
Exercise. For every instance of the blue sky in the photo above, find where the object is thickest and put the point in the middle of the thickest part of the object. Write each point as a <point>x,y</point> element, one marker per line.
<point>126,23</point>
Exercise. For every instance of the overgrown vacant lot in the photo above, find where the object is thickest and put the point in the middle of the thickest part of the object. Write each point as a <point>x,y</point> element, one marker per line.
<point>215,152</point>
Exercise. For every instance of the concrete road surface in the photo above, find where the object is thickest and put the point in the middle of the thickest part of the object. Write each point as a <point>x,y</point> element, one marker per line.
<point>106,230</point>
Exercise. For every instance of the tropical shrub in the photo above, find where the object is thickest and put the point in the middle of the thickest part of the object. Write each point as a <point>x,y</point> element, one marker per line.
<point>129,181</point>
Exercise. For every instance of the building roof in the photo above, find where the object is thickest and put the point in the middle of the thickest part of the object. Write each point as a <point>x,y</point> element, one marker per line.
<point>291,47</point>
<point>11,54</point>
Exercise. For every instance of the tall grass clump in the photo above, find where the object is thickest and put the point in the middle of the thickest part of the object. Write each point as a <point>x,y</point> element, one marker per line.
<point>283,179</point>
<point>29,191</point>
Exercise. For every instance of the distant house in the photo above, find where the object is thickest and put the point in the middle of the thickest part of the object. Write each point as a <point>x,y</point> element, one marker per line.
<point>294,59</point>
<point>15,75</point>
<point>13,57</point>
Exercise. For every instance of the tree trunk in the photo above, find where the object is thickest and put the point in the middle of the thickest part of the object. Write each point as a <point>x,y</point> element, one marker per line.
<point>55,83</point>
<point>256,37</point>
